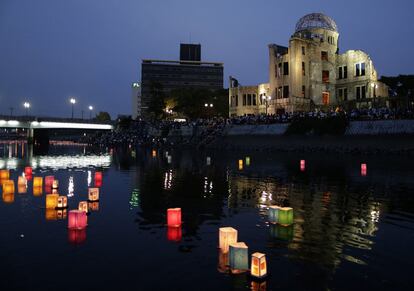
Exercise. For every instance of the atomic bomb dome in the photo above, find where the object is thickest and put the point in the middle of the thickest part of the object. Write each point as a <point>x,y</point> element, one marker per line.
<point>316,20</point>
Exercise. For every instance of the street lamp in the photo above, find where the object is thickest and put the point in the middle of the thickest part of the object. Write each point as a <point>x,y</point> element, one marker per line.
<point>73,102</point>
<point>26,105</point>
<point>90,111</point>
<point>267,99</point>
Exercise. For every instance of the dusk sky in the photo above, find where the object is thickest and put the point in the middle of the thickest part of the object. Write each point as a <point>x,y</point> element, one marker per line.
<point>91,49</point>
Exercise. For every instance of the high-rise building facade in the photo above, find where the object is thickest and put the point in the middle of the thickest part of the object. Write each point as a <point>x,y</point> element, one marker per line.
<point>136,100</point>
<point>310,73</point>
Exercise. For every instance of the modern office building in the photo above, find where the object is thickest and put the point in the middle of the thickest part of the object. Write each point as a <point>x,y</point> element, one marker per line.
<point>136,100</point>
<point>188,72</point>
<point>311,73</point>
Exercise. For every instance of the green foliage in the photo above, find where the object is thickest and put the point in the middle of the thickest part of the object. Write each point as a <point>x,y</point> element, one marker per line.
<point>124,122</point>
<point>327,126</point>
<point>103,116</point>
<point>157,101</point>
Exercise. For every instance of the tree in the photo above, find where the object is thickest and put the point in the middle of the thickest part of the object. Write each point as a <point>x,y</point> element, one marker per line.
<point>156,105</point>
<point>103,116</point>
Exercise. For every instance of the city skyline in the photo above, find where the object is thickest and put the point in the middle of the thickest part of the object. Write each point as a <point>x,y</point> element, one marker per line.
<point>53,50</point>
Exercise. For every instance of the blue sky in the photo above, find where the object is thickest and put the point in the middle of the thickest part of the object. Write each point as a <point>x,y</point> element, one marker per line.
<point>91,49</point>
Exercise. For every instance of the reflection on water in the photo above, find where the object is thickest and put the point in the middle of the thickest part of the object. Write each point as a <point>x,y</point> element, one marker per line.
<point>345,223</point>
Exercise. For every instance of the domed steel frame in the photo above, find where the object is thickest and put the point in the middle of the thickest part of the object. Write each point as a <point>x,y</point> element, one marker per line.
<point>316,20</point>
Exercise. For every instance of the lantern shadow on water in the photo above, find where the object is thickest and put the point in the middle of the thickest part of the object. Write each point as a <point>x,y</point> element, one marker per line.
<point>51,214</point>
<point>238,257</point>
<point>258,286</point>
<point>93,206</point>
<point>281,232</point>
<point>8,197</point>
<point>258,265</point>
<point>93,194</point>
<point>61,213</point>
<point>174,217</point>
<point>76,236</point>
<point>52,201</point>
<point>37,191</point>
<point>77,219</point>
<point>227,235</point>
<point>174,233</point>
<point>223,262</point>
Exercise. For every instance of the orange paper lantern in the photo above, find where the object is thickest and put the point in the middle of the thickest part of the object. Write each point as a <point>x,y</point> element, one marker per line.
<point>258,265</point>
<point>4,175</point>
<point>52,201</point>
<point>21,181</point>
<point>93,194</point>
<point>37,191</point>
<point>37,182</point>
<point>83,206</point>
<point>8,197</point>
<point>8,186</point>
<point>240,165</point>
<point>174,217</point>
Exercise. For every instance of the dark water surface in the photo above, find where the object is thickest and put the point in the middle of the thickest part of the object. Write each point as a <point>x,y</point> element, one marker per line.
<point>351,232</point>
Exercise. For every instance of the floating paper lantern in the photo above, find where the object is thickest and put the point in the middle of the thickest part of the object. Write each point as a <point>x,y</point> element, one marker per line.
<point>238,257</point>
<point>223,262</point>
<point>258,266</point>
<point>240,165</point>
<point>76,236</point>
<point>281,232</point>
<point>174,217</point>
<point>98,176</point>
<point>77,219</point>
<point>93,194</point>
<point>37,182</point>
<point>49,181</point>
<point>61,213</point>
<point>273,214</point>
<point>363,169</point>
<point>247,161</point>
<point>51,214</point>
<point>174,233</point>
<point>227,235</point>
<point>55,184</point>
<point>52,201</point>
<point>302,165</point>
<point>8,197</point>
<point>8,186</point>
<point>62,202</point>
<point>4,175</point>
<point>93,206</point>
<point>37,191</point>
<point>83,206</point>
<point>285,216</point>
<point>154,153</point>
<point>208,161</point>
<point>21,181</point>
<point>21,189</point>
<point>98,183</point>
<point>28,171</point>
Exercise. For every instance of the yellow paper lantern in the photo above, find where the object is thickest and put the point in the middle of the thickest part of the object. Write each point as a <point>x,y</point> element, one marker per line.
<point>227,235</point>
<point>37,182</point>
<point>37,191</point>
<point>52,201</point>
<point>83,206</point>
<point>258,265</point>
<point>93,194</point>
<point>21,181</point>
<point>8,186</point>
<point>240,165</point>
<point>4,175</point>
<point>8,197</point>
<point>62,202</point>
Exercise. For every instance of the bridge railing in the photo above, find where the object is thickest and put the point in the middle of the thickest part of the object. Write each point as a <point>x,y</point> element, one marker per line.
<point>53,119</point>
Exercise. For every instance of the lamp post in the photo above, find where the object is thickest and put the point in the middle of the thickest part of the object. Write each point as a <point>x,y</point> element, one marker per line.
<point>90,111</point>
<point>26,105</point>
<point>73,102</point>
<point>267,99</point>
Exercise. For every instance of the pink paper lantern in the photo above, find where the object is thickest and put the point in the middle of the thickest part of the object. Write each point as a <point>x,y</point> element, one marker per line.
<point>302,165</point>
<point>77,219</point>
<point>49,181</point>
<point>174,217</point>
<point>363,169</point>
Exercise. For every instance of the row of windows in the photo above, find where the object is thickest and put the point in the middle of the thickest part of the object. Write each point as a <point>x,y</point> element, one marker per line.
<point>360,93</point>
<point>282,92</point>
<point>331,40</point>
<point>249,99</point>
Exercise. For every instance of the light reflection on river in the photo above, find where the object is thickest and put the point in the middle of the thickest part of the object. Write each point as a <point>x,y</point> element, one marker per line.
<point>346,225</point>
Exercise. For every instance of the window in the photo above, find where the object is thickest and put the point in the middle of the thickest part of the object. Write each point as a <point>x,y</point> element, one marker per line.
<point>303,50</point>
<point>244,99</point>
<point>325,76</point>
<point>324,56</point>
<point>340,75</point>
<point>285,91</point>
<point>343,72</point>
<point>361,92</point>
<point>360,69</point>
<point>261,99</point>
<point>342,94</point>
<point>285,68</point>
<point>254,99</point>
<point>249,99</point>
<point>279,70</point>
<point>237,100</point>
<point>303,68</point>
<point>325,98</point>
<point>279,92</point>
<point>303,91</point>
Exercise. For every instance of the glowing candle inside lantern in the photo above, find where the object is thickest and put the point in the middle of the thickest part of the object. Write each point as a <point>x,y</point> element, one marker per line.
<point>76,236</point>
<point>302,165</point>
<point>247,161</point>
<point>83,206</point>
<point>285,216</point>
<point>240,165</point>
<point>227,235</point>
<point>77,219</point>
<point>238,257</point>
<point>62,202</point>
<point>174,217</point>
<point>174,233</point>
<point>37,182</point>
<point>52,201</point>
<point>258,265</point>
<point>363,169</point>
<point>55,184</point>
<point>61,213</point>
<point>8,186</point>
<point>93,194</point>
<point>273,214</point>
<point>28,171</point>
<point>49,181</point>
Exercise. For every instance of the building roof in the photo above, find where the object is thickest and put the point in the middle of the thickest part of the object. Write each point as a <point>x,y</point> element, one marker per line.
<point>316,20</point>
